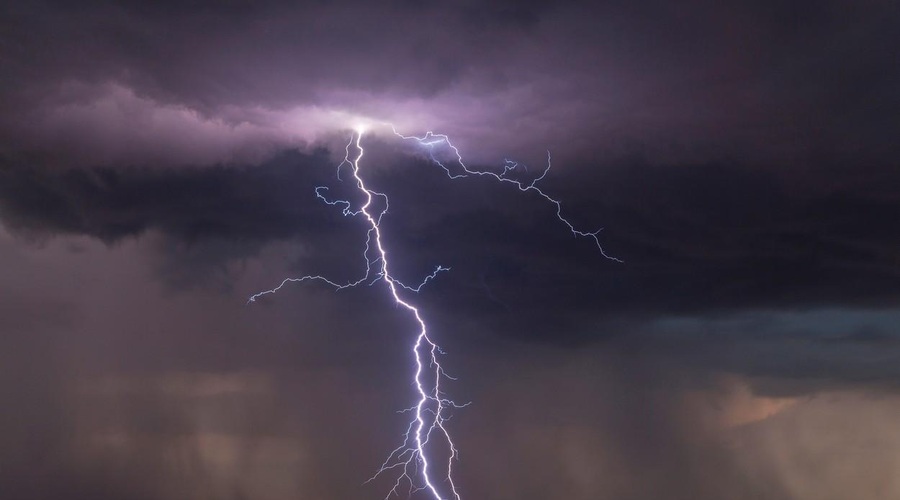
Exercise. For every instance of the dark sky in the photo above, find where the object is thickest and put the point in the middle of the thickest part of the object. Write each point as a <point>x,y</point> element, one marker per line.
<point>157,166</point>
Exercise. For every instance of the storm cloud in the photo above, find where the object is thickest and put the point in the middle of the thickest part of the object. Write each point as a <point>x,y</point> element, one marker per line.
<point>702,81</point>
<point>159,164</point>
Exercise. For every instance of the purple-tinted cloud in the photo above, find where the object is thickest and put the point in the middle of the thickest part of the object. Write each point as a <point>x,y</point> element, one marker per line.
<point>157,165</point>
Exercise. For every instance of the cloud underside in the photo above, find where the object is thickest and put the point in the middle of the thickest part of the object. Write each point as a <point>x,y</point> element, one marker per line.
<point>695,238</point>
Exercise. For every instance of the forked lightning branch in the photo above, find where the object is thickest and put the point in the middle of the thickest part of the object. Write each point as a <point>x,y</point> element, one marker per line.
<point>415,468</point>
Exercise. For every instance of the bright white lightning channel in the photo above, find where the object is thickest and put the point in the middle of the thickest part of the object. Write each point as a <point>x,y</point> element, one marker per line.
<point>430,413</point>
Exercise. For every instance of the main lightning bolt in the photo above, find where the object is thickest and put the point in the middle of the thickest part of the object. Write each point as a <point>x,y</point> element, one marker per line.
<point>430,413</point>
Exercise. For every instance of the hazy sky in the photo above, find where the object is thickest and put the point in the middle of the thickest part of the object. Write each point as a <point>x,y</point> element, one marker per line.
<point>157,166</point>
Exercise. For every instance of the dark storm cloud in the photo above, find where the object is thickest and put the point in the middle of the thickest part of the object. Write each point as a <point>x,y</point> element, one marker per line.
<point>786,352</point>
<point>695,238</point>
<point>738,237</point>
<point>740,155</point>
<point>182,50</point>
<point>253,203</point>
<point>805,84</point>
<point>748,121</point>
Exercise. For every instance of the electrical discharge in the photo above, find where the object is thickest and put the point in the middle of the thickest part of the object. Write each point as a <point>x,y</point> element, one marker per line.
<point>415,467</point>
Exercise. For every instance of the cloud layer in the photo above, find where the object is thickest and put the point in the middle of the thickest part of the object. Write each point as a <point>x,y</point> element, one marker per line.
<point>158,164</point>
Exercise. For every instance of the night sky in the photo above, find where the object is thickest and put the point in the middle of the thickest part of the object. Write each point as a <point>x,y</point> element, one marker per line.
<point>157,167</point>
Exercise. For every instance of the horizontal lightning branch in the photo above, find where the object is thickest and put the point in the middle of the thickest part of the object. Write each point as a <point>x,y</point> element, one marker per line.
<point>430,140</point>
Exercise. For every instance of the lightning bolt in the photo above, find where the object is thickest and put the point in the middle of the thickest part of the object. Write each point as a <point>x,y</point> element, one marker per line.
<point>429,140</point>
<point>431,411</point>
